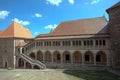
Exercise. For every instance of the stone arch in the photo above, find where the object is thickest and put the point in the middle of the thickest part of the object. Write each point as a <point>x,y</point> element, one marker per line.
<point>88,57</point>
<point>28,65</point>
<point>101,58</point>
<point>32,55</point>
<point>39,56</point>
<point>77,57</point>
<point>36,67</point>
<point>20,63</point>
<point>48,56</point>
<point>57,56</point>
<point>66,57</point>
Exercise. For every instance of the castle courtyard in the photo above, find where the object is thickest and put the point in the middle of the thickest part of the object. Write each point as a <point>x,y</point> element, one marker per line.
<point>55,74</point>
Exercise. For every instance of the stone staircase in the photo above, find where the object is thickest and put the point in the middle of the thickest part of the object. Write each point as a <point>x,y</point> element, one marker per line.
<point>34,62</point>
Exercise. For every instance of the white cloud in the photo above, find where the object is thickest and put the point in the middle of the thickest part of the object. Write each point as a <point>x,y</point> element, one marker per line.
<point>38,15</point>
<point>54,2</point>
<point>36,33</point>
<point>4,14</point>
<point>51,26</point>
<point>21,21</point>
<point>94,1</point>
<point>71,1</point>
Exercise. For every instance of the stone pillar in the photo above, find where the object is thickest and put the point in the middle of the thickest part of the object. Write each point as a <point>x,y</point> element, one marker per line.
<point>35,55</point>
<point>24,64</point>
<point>107,56</point>
<point>52,57</point>
<point>94,59</point>
<point>83,60</point>
<point>71,58</point>
<point>35,44</point>
<point>71,43</point>
<point>61,57</point>
<point>43,58</point>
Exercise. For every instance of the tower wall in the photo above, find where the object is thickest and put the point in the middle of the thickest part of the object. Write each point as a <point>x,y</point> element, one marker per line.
<point>114,30</point>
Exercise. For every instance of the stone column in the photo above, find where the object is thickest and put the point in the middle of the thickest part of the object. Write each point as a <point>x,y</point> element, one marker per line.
<point>35,55</point>
<point>71,43</point>
<point>83,60</point>
<point>94,59</point>
<point>52,57</point>
<point>71,58</point>
<point>24,64</point>
<point>43,58</point>
<point>35,44</point>
<point>61,57</point>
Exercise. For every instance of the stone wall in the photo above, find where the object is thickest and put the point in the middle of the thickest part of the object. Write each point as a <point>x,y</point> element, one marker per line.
<point>114,29</point>
<point>7,53</point>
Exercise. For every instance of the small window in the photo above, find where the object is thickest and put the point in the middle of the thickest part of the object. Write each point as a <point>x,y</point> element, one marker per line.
<point>84,43</point>
<point>58,56</point>
<point>104,43</point>
<point>87,42</point>
<point>87,57</point>
<point>98,58</point>
<point>100,42</point>
<point>67,57</point>
<point>91,42</point>
<point>73,43</point>
<point>97,42</point>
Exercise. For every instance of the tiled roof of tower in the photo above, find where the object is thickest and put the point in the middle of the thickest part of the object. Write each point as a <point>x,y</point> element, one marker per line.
<point>1,32</point>
<point>16,30</point>
<point>80,27</point>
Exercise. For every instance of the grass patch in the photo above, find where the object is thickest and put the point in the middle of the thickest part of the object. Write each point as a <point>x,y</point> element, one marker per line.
<point>92,75</point>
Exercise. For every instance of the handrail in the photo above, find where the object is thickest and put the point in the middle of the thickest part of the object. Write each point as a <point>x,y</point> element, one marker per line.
<point>43,66</point>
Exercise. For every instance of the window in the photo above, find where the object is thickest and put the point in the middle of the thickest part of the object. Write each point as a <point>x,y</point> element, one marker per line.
<point>87,57</point>
<point>91,42</point>
<point>100,42</point>
<point>97,42</point>
<point>98,59</point>
<point>104,43</point>
<point>79,43</point>
<point>85,43</point>
<point>73,43</point>
<point>67,57</point>
<point>58,56</point>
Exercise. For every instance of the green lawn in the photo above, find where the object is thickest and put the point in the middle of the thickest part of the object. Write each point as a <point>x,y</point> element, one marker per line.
<point>55,75</point>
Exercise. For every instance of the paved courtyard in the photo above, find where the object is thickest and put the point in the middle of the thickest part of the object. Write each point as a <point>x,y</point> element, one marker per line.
<point>52,74</point>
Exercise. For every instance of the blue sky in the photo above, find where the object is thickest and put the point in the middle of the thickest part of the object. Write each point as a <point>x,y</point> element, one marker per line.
<point>40,16</point>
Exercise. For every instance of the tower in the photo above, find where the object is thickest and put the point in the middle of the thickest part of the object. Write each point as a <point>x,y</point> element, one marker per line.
<point>114,30</point>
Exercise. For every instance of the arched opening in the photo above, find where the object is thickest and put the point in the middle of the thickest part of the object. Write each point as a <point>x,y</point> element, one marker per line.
<point>66,57</point>
<point>28,65</point>
<point>56,57</point>
<point>48,57</point>
<point>39,56</point>
<point>6,64</point>
<point>89,58</point>
<point>77,57</point>
<point>32,55</point>
<point>36,67</point>
<point>101,58</point>
<point>20,63</point>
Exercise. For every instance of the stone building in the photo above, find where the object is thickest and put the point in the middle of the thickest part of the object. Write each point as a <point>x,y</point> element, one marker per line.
<point>80,44</point>
<point>114,30</point>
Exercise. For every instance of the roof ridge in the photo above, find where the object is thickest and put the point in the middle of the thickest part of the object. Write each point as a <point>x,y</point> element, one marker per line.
<point>83,19</point>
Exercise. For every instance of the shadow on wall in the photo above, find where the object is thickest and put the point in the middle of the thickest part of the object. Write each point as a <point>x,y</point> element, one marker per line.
<point>91,75</point>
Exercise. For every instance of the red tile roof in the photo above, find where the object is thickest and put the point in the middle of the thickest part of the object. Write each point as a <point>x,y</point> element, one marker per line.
<point>79,27</point>
<point>16,30</point>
